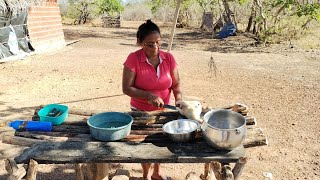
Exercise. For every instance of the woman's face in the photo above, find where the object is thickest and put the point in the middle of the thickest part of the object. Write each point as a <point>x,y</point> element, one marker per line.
<point>151,44</point>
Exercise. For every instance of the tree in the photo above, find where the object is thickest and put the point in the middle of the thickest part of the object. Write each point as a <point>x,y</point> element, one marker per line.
<point>108,7</point>
<point>80,10</point>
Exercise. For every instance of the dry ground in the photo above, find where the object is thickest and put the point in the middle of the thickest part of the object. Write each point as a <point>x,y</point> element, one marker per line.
<point>279,84</point>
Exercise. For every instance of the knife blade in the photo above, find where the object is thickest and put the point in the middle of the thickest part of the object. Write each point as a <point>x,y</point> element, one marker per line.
<point>167,106</point>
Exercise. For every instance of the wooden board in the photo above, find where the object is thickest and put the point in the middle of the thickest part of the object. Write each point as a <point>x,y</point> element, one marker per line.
<point>124,152</point>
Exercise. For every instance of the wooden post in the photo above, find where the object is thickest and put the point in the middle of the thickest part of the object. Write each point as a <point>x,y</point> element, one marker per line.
<point>238,168</point>
<point>15,172</point>
<point>98,171</point>
<point>32,170</point>
<point>176,14</point>
<point>215,171</point>
<point>206,171</point>
<point>79,172</point>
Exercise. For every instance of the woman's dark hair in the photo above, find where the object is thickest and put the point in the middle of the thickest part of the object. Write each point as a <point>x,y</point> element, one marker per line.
<point>145,29</point>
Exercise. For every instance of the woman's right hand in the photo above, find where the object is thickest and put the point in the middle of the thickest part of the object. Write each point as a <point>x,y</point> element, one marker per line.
<point>155,101</point>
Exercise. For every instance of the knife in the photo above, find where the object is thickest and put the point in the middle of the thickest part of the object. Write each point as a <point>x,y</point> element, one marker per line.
<point>170,107</point>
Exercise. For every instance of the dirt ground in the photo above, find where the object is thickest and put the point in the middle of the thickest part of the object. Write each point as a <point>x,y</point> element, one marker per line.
<point>280,85</point>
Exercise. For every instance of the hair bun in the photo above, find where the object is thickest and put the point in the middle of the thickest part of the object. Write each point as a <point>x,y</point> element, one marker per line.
<point>149,21</point>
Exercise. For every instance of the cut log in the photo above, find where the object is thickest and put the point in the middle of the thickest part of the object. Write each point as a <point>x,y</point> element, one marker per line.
<point>255,137</point>
<point>11,166</point>
<point>47,135</point>
<point>32,170</point>
<point>15,172</point>
<point>55,136</point>
<point>79,171</point>
<point>98,171</point>
<point>6,131</point>
<point>226,173</point>
<point>238,168</point>
<point>250,120</point>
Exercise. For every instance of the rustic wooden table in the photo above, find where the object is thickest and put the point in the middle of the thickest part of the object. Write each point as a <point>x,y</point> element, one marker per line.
<point>71,143</point>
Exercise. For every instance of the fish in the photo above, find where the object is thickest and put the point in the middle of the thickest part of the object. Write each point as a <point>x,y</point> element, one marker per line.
<point>191,109</point>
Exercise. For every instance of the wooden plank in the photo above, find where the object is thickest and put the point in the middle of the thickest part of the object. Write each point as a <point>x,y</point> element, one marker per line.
<point>123,152</point>
<point>255,137</point>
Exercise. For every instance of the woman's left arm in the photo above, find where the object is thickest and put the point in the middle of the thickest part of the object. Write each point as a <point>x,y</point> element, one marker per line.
<point>176,85</point>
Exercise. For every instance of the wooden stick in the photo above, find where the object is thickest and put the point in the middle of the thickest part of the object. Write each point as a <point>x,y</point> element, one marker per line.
<point>226,173</point>
<point>215,171</point>
<point>238,168</point>
<point>15,172</point>
<point>79,171</point>
<point>32,170</point>
<point>176,13</point>
<point>20,141</point>
<point>206,171</point>
<point>51,138</point>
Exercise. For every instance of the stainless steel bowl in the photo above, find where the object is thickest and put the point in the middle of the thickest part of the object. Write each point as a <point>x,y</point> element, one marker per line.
<point>224,129</point>
<point>181,130</point>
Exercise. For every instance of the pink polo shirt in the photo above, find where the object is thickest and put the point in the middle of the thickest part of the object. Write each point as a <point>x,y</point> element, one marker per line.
<point>147,78</point>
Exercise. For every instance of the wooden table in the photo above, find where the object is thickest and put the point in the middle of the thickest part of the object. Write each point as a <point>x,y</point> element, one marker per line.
<point>71,143</point>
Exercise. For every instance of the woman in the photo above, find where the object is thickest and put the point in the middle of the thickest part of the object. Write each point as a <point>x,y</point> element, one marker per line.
<point>149,77</point>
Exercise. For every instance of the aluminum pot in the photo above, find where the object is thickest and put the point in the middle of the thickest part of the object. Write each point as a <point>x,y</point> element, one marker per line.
<point>181,130</point>
<point>224,129</point>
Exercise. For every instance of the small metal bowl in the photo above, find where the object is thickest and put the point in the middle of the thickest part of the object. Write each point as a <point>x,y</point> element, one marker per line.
<point>181,130</point>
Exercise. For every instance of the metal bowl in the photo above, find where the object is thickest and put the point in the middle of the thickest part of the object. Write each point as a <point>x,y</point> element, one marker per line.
<point>181,130</point>
<point>224,129</point>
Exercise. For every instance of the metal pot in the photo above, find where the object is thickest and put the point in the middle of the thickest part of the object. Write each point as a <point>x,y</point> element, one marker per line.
<point>224,129</point>
<point>181,130</point>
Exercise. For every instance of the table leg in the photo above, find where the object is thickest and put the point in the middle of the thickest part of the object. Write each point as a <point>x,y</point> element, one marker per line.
<point>98,171</point>
<point>238,168</point>
<point>32,170</point>
<point>15,172</point>
<point>79,171</point>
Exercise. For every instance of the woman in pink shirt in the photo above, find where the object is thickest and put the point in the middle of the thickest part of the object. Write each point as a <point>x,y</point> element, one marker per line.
<point>149,77</point>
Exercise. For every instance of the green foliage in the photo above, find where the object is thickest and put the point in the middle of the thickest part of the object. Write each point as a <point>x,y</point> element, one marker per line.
<point>311,10</point>
<point>108,6</point>
<point>75,8</point>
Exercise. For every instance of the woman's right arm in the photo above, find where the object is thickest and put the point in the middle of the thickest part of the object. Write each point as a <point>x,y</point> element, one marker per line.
<point>128,88</point>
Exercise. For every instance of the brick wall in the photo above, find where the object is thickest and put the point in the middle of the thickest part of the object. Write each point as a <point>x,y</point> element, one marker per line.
<point>45,27</point>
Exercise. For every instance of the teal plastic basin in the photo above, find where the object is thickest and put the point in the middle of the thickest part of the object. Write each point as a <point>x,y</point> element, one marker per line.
<point>110,126</point>
<point>54,120</point>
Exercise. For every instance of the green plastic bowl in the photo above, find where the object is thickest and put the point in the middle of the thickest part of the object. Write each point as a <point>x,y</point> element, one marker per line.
<point>110,126</point>
<point>54,120</point>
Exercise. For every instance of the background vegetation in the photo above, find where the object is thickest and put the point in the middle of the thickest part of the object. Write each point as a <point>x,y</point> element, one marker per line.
<point>272,21</point>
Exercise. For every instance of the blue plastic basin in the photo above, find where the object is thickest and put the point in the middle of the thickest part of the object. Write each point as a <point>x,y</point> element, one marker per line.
<point>55,120</point>
<point>110,126</point>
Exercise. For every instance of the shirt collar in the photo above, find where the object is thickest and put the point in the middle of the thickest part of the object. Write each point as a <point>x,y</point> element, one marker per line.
<point>143,57</point>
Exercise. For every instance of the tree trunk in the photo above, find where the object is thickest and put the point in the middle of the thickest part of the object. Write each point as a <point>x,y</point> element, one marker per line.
<point>228,11</point>
<point>252,16</point>
<point>207,21</point>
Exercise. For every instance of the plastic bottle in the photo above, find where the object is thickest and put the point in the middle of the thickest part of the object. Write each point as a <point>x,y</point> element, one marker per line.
<point>31,125</point>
